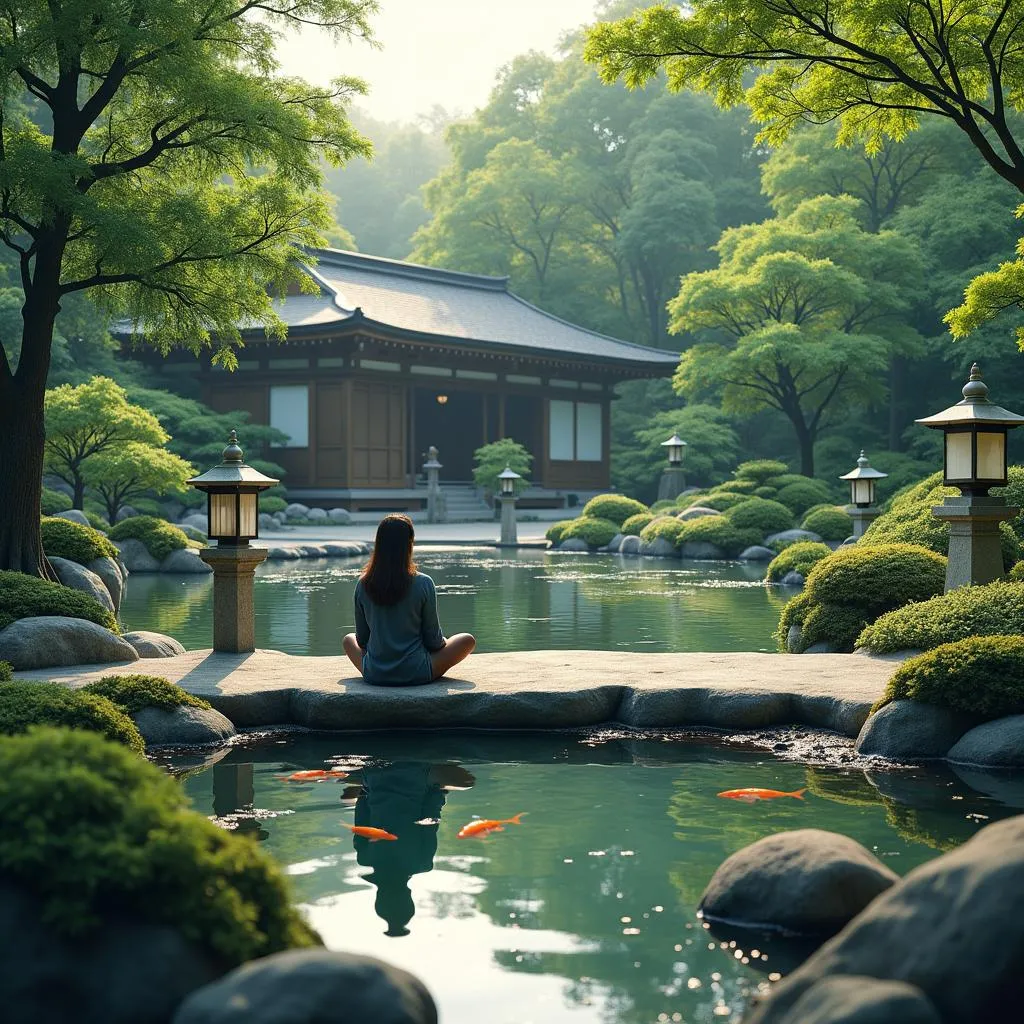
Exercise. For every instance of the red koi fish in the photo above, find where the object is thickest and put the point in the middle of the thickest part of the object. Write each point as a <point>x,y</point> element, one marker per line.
<point>750,796</point>
<point>481,826</point>
<point>313,775</point>
<point>368,832</point>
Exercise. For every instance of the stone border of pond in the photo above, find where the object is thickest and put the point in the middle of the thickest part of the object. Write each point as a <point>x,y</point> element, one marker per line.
<point>530,690</point>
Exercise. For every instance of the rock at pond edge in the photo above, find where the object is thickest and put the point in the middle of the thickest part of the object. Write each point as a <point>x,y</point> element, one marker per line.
<point>54,641</point>
<point>995,744</point>
<point>84,580</point>
<point>861,1000</point>
<point>908,730</point>
<point>183,727</point>
<point>148,644</point>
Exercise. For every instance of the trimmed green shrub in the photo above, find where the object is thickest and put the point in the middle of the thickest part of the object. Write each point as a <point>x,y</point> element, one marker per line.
<point>829,523</point>
<point>23,596</point>
<point>616,508</point>
<point>919,491</point>
<point>735,487</point>
<point>6,672</point>
<point>112,839</point>
<point>132,693</point>
<point>762,515</point>
<point>1013,492</point>
<point>160,538</point>
<point>51,502</point>
<point>665,527</point>
<point>981,675</point>
<point>193,534</point>
<point>760,470</point>
<point>556,531</point>
<point>97,522</point>
<point>996,609</point>
<point>765,492</point>
<point>65,539</point>
<point>721,501</point>
<point>1017,572</point>
<point>272,503</point>
<point>663,505</point>
<point>800,557</point>
<point>800,495</point>
<point>634,524</point>
<point>720,531</point>
<point>854,586</point>
<point>24,705</point>
<point>595,532</point>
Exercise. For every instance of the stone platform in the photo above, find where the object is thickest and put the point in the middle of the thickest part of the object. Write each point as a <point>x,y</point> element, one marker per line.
<point>530,690</point>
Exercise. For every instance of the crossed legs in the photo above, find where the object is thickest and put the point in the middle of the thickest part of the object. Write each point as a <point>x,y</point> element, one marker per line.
<point>456,648</point>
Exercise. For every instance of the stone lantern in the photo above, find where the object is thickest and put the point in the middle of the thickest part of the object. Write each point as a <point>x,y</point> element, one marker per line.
<point>862,508</point>
<point>509,532</point>
<point>672,479</point>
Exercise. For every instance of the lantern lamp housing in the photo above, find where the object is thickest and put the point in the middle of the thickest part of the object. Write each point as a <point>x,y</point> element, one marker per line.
<point>232,497</point>
<point>508,477</point>
<point>675,445</point>
<point>974,438</point>
<point>862,482</point>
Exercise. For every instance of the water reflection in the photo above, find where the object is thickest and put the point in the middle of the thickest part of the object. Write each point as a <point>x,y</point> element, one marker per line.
<point>234,800</point>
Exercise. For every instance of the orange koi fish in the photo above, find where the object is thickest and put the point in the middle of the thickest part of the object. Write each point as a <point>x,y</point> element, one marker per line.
<point>481,826</point>
<point>313,775</point>
<point>368,832</point>
<point>750,796</point>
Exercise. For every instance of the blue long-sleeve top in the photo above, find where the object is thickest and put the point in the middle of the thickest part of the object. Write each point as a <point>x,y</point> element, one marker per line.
<point>398,639</point>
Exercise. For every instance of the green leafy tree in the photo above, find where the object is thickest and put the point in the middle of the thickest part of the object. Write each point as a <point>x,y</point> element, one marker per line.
<point>169,171</point>
<point>129,470</point>
<point>491,459</point>
<point>800,316</point>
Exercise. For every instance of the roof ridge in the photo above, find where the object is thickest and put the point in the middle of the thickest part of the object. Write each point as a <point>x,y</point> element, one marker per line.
<point>402,268</point>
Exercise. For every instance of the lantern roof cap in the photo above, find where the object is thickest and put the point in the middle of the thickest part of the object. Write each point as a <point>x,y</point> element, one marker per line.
<point>864,470</point>
<point>675,441</point>
<point>508,473</point>
<point>976,407</point>
<point>232,471</point>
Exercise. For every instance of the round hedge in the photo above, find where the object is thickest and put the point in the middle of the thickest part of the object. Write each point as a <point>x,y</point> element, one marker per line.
<point>132,693</point>
<point>800,495</point>
<point>736,487</point>
<point>995,609</point>
<point>634,524</point>
<point>51,502</point>
<point>829,523</point>
<point>65,539</point>
<point>765,492</point>
<point>720,531</point>
<point>113,840</point>
<point>23,597</point>
<point>663,505</point>
<point>272,503</point>
<point>24,705</point>
<point>722,501</point>
<point>556,531</point>
<point>800,557</point>
<point>760,470</point>
<point>594,532</point>
<point>982,675</point>
<point>159,537</point>
<point>616,508</point>
<point>761,514</point>
<point>665,528</point>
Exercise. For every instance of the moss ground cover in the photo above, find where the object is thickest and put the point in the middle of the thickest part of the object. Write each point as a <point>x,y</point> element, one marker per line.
<point>556,531</point>
<point>65,539</point>
<point>720,531</point>
<point>132,693</point>
<point>760,514</point>
<point>663,528</point>
<point>800,557</point>
<point>23,596</point>
<point>634,524</point>
<point>159,537</point>
<point>829,523</point>
<point>616,508</point>
<point>594,532</point>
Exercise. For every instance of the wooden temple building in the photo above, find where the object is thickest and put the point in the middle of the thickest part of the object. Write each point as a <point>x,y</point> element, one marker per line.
<point>390,358</point>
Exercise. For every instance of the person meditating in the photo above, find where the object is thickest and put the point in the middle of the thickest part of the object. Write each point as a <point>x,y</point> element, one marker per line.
<point>398,640</point>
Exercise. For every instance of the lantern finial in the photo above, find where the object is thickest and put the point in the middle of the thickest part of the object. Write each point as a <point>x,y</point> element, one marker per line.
<point>233,453</point>
<point>863,460</point>
<point>975,390</point>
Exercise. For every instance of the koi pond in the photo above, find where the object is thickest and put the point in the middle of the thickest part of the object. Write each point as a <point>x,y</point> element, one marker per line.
<point>586,910</point>
<point>525,600</point>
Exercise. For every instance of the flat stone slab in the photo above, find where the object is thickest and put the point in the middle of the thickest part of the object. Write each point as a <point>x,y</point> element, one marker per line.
<point>532,690</point>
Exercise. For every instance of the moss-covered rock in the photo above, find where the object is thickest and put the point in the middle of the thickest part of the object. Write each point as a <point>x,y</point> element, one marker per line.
<point>51,502</point>
<point>594,532</point>
<point>720,531</point>
<point>555,531</point>
<point>761,515</point>
<point>65,539</point>
<point>829,523</point>
<point>159,537</point>
<point>981,675</point>
<point>800,557</point>
<point>112,839</point>
<point>633,526</point>
<point>615,508</point>
<point>132,693</point>
<point>25,705</point>
<point>722,501</point>
<point>23,596</point>
<point>664,528</point>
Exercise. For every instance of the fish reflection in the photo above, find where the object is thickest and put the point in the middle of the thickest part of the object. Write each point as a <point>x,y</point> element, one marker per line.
<point>403,798</point>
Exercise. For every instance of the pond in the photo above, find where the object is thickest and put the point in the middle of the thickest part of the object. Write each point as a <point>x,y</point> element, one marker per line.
<point>586,910</point>
<point>524,600</point>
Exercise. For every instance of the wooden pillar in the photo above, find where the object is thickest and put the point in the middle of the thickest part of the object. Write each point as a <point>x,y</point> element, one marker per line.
<point>348,431</point>
<point>501,417</point>
<point>543,461</point>
<point>483,416</point>
<point>606,442</point>
<point>410,462</point>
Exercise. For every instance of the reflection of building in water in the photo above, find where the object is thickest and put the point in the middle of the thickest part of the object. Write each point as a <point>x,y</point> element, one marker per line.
<point>233,794</point>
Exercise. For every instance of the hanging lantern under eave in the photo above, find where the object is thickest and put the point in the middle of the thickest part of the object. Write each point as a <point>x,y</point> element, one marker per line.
<point>862,482</point>
<point>675,445</point>
<point>232,497</point>
<point>507,478</point>
<point>974,438</point>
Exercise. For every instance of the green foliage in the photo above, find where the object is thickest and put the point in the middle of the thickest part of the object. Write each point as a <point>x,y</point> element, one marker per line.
<point>120,474</point>
<point>663,528</point>
<point>1013,492</point>
<point>26,705</point>
<point>272,504</point>
<point>633,526</point>
<point>981,675</point>
<point>761,515</point>
<point>556,531</point>
<point>720,531</point>
<point>6,672</point>
<point>760,471</point>
<point>491,460</point>
<point>664,505</point>
<point>801,495</point>
<point>765,492</point>
<point>160,538</point>
<point>113,839</point>
<point>52,502</point>
<point>854,586</point>
<point>96,521</point>
<point>616,508</point>
<point>721,501</point>
<point>997,608</point>
<point>800,557</point>
<point>193,534</point>
<point>829,523</point>
<point>593,531</point>
<point>65,539</point>
<point>736,487</point>
<point>23,596</point>
<point>132,693</point>
<point>1016,573</point>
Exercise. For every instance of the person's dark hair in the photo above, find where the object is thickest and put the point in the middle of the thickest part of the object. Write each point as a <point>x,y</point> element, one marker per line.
<point>389,573</point>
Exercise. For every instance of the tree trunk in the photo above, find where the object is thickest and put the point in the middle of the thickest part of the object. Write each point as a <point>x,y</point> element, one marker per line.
<point>805,440</point>
<point>895,397</point>
<point>78,498</point>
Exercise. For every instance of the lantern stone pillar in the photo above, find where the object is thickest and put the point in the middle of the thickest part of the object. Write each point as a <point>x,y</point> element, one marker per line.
<point>975,544</point>
<point>234,621</point>
<point>862,519</point>
<point>673,480</point>
<point>436,505</point>
<point>507,482</point>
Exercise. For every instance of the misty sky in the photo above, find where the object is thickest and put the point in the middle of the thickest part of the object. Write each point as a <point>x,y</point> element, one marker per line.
<point>444,52</point>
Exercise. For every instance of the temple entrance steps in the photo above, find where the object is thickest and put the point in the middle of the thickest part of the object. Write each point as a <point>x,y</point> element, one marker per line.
<point>465,504</point>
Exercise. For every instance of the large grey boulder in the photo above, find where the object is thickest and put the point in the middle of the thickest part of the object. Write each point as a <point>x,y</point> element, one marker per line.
<point>573,544</point>
<point>49,641</point>
<point>907,730</point>
<point>757,553</point>
<point>113,577</point>
<point>78,577</point>
<point>701,549</point>
<point>630,546</point>
<point>615,543</point>
<point>196,520</point>
<point>856,1000</point>
<point>267,522</point>
<point>793,579</point>
<point>122,973</point>
<point>997,744</point>
<point>341,516</point>
<point>953,928</point>
<point>660,547</point>
<point>153,645</point>
<point>125,512</point>
<point>311,986</point>
<point>807,882</point>
<point>277,554</point>
<point>296,511</point>
<point>696,512</point>
<point>74,515</point>
<point>184,560</point>
<point>135,556</point>
<point>343,549</point>
<point>317,515</point>
<point>311,550</point>
<point>183,727</point>
<point>791,535</point>
<point>794,635</point>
